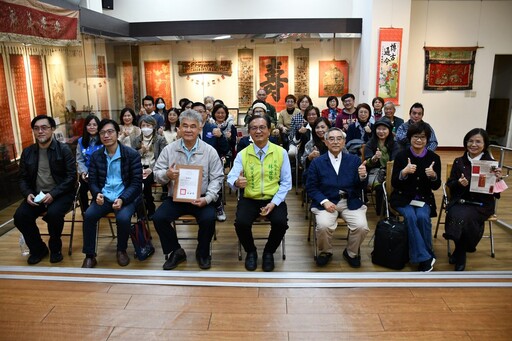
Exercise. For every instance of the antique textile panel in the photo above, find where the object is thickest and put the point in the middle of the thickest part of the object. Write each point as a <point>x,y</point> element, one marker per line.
<point>245,77</point>
<point>301,58</point>
<point>128,85</point>
<point>332,78</point>
<point>158,80</point>
<point>449,68</point>
<point>21,96</point>
<point>274,79</point>
<point>56,76</point>
<point>36,73</point>
<point>388,65</point>
<point>6,133</point>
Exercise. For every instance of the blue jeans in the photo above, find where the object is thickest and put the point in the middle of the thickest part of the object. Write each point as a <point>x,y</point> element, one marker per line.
<point>123,221</point>
<point>419,227</point>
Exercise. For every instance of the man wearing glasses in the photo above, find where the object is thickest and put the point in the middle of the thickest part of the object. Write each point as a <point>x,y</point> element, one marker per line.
<point>47,182</point>
<point>263,171</point>
<point>415,115</point>
<point>115,180</point>
<point>335,183</point>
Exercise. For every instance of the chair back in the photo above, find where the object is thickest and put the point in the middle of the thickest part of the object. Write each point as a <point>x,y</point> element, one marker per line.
<point>389,173</point>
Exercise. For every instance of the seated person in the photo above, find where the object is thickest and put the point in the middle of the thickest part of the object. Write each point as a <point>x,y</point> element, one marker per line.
<point>362,128</point>
<point>416,113</point>
<point>189,150</point>
<point>115,179</point>
<point>416,172</point>
<point>332,111</point>
<point>316,146</point>
<point>263,171</point>
<point>389,113</point>
<point>304,134</point>
<point>47,167</point>
<point>335,182</point>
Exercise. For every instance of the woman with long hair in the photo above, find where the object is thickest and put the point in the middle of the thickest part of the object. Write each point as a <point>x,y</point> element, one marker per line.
<point>128,126</point>
<point>172,123</point>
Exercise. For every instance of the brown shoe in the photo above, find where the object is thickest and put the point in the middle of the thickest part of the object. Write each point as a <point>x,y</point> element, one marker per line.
<point>122,258</point>
<point>89,262</point>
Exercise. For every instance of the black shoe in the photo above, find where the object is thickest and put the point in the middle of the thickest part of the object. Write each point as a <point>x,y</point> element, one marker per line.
<point>204,262</point>
<point>451,259</point>
<point>34,259</point>
<point>176,257</point>
<point>89,262</point>
<point>323,258</point>
<point>56,257</point>
<point>460,261</point>
<point>268,262</point>
<point>427,265</point>
<point>353,262</point>
<point>251,261</point>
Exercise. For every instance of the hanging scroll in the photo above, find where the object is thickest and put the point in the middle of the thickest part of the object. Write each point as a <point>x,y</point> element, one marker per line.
<point>274,79</point>
<point>388,72</point>
<point>36,73</point>
<point>158,80</point>
<point>128,85</point>
<point>301,57</point>
<point>245,77</point>
<point>6,125</point>
<point>18,73</point>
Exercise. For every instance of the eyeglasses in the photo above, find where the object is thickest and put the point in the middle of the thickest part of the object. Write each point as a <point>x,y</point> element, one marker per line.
<point>335,138</point>
<point>419,137</point>
<point>41,128</point>
<point>256,128</point>
<point>107,132</point>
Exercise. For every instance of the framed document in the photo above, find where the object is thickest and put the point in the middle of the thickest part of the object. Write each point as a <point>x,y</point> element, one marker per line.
<point>483,177</point>
<point>187,187</point>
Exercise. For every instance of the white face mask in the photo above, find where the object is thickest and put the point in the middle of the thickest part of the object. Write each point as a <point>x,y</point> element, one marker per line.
<point>147,131</point>
<point>160,106</point>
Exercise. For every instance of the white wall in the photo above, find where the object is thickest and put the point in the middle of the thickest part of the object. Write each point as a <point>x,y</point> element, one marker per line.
<point>450,24</point>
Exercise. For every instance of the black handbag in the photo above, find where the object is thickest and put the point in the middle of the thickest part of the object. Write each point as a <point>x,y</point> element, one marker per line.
<point>141,239</point>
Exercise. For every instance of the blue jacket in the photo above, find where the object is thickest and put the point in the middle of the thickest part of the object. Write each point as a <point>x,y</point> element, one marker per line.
<point>219,143</point>
<point>131,169</point>
<point>323,183</point>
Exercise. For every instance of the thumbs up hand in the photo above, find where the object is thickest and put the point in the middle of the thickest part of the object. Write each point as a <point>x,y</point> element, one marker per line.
<point>463,181</point>
<point>409,169</point>
<point>173,173</point>
<point>430,171</point>
<point>361,170</point>
<point>377,156</point>
<point>241,182</point>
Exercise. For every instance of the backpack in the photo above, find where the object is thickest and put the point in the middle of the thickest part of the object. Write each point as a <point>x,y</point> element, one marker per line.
<point>390,247</point>
<point>141,239</point>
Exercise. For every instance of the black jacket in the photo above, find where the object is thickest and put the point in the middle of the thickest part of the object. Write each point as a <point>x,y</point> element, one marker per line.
<point>131,169</point>
<point>62,167</point>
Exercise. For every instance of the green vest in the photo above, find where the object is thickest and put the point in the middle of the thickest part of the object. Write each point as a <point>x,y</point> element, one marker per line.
<point>262,178</point>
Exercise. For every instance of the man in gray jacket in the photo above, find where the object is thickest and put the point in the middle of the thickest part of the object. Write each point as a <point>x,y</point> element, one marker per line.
<point>189,150</point>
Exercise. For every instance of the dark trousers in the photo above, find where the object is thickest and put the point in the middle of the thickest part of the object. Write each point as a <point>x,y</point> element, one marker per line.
<point>25,220</point>
<point>246,213</point>
<point>123,221</point>
<point>170,211</point>
<point>148,194</point>
<point>84,195</point>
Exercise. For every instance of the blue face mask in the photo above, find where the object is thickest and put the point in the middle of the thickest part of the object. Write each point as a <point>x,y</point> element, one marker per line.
<point>160,106</point>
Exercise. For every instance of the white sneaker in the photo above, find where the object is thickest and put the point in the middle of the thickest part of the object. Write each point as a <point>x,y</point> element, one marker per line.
<point>221,215</point>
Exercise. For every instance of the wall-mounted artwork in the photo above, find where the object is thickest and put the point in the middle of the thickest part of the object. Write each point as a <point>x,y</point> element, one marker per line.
<point>274,79</point>
<point>332,78</point>
<point>301,84</point>
<point>388,65</point>
<point>449,68</point>
<point>158,80</point>
<point>245,77</point>
<point>6,128</point>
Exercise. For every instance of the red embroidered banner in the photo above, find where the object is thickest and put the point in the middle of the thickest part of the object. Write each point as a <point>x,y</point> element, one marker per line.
<point>332,78</point>
<point>388,65</point>
<point>21,97</point>
<point>274,79</point>
<point>31,21</point>
<point>6,133</point>
<point>158,80</point>
<point>449,68</point>
<point>128,85</point>
<point>36,72</point>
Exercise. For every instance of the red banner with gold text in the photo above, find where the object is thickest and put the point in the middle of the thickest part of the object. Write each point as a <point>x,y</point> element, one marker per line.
<point>36,72</point>
<point>21,97</point>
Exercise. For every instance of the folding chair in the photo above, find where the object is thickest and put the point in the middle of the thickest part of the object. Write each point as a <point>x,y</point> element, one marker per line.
<point>262,221</point>
<point>189,220</point>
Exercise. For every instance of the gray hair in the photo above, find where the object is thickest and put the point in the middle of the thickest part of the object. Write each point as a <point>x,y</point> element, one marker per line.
<point>343,135</point>
<point>390,103</point>
<point>148,119</point>
<point>190,114</point>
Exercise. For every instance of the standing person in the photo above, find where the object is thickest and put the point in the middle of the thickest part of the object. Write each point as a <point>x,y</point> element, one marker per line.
<point>148,103</point>
<point>47,167</point>
<point>115,179</point>
<point>149,144</point>
<point>263,171</point>
<point>284,119</point>
<point>380,149</point>
<point>160,108</point>
<point>389,113</point>
<point>332,111</point>
<point>362,128</point>
<point>87,145</point>
<point>189,150</point>
<point>271,110</point>
<point>171,130</point>
<point>128,126</point>
<point>416,173</point>
<point>465,222</point>
<point>377,114</point>
<point>348,113</point>
<point>224,122</point>
<point>416,114</point>
<point>335,182</point>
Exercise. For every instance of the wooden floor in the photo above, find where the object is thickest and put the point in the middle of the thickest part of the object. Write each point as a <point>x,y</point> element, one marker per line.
<point>66,303</point>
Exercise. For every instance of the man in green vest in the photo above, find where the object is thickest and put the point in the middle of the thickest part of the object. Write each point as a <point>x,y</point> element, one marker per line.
<point>263,171</point>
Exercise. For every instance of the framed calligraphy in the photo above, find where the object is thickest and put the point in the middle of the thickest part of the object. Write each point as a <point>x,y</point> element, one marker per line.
<point>332,78</point>
<point>449,68</point>
<point>274,79</point>
<point>388,65</point>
